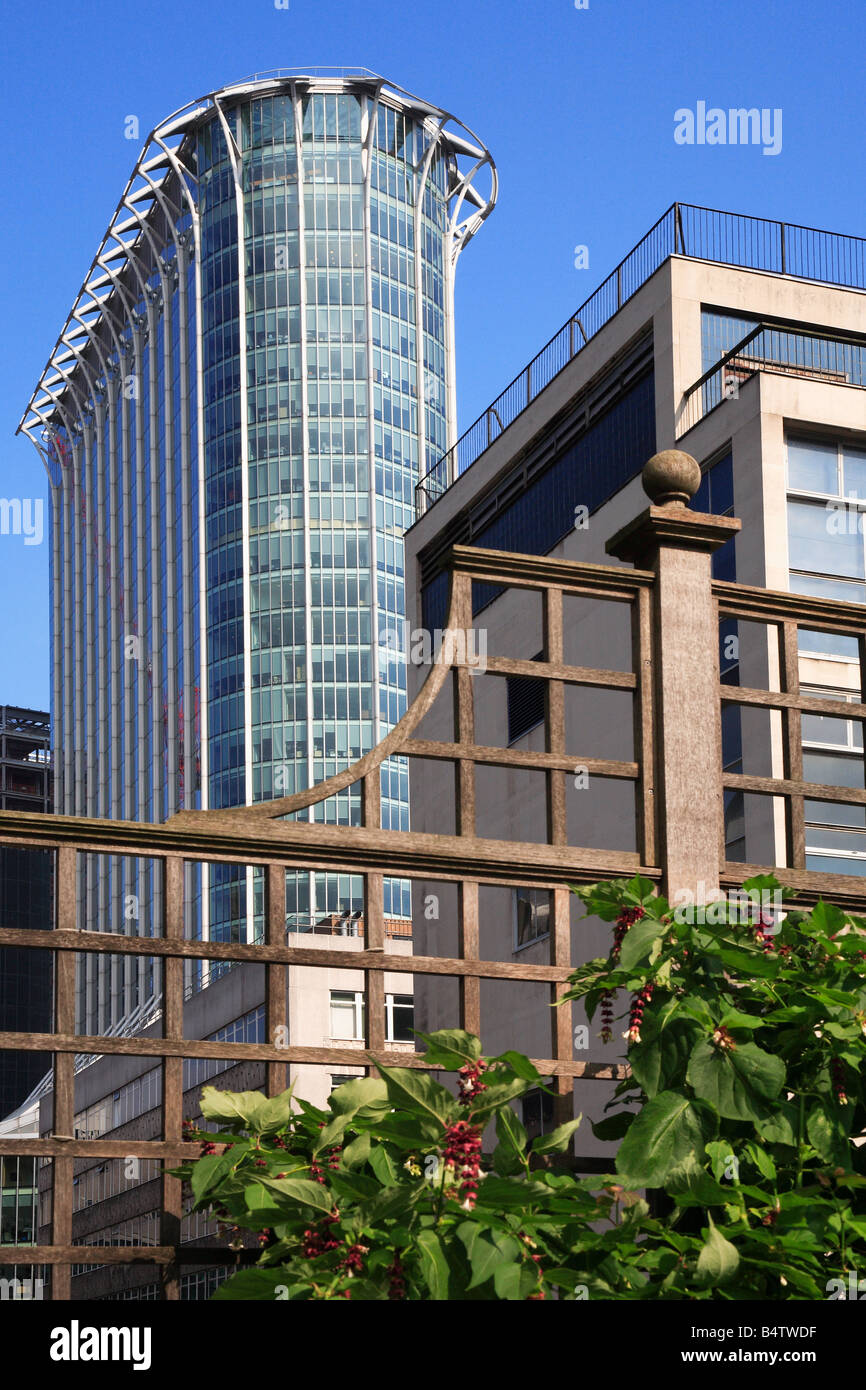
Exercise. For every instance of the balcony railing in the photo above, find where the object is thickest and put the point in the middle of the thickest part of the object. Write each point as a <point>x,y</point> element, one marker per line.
<point>706,234</point>
<point>839,359</point>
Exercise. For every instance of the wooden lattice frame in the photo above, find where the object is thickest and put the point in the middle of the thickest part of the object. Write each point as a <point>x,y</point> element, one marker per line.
<point>256,836</point>
<point>678,544</point>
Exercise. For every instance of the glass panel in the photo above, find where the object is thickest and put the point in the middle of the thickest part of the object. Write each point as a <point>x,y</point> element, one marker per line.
<point>813,467</point>
<point>835,813</point>
<point>827,588</point>
<point>854,469</point>
<point>822,728</point>
<point>833,769</point>
<point>827,644</point>
<point>850,842</point>
<point>831,864</point>
<point>813,545</point>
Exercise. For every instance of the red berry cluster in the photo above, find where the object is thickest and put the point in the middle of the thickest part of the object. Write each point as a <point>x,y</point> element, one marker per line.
<point>396,1279</point>
<point>332,1155</point>
<point>319,1241</point>
<point>353,1260</point>
<point>837,1072</point>
<point>463,1153</point>
<point>470,1082</point>
<point>206,1149</point>
<point>265,1235</point>
<point>723,1040</point>
<point>607,1015</point>
<point>639,1003</point>
<point>626,919</point>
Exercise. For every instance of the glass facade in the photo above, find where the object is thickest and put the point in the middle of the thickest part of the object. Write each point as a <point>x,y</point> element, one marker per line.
<point>251,387</point>
<point>827,557</point>
<point>588,473</point>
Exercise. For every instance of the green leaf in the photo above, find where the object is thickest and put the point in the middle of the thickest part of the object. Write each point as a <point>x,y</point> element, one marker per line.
<point>718,1260</point>
<point>749,963</point>
<point>485,1258</point>
<point>207,1172</point>
<point>509,1194</point>
<point>507,1281</point>
<point>363,1093</point>
<point>383,1165</point>
<point>558,1140</point>
<point>827,1134</point>
<point>434,1266</point>
<point>275,1114</point>
<point>416,1091</point>
<point>310,1194</point>
<point>260,1285</point>
<point>734,1018</point>
<point>496,1095</point>
<point>720,1152</point>
<point>508,1154</point>
<point>638,942</point>
<point>665,1132</point>
<point>762,1160</point>
<point>358,1151</point>
<point>780,1127</point>
<point>520,1065</point>
<point>659,1060</point>
<point>613,1127</point>
<point>233,1107</point>
<point>738,1082</point>
<point>451,1048</point>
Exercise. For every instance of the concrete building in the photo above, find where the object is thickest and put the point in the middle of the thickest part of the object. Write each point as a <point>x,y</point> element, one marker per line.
<point>25,897</point>
<point>742,342</point>
<point>25,976</point>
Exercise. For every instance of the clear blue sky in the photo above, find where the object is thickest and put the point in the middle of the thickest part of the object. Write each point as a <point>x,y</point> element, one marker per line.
<point>577,107</point>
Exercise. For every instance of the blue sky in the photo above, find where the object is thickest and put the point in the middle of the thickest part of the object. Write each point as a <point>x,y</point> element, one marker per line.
<point>576,105</point>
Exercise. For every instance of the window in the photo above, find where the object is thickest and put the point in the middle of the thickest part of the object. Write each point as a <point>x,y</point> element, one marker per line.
<point>399,1017</point>
<point>833,754</point>
<point>525,703</point>
<point>340,1078</point>
<point>826,546</point>
<point>537,1113</point>
<point>347,1014</point>
<point>531,915</point>
<point>716,495</point>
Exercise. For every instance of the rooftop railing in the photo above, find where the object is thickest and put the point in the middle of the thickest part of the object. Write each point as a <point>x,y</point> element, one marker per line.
<point>839,359</point>
<point>707,234</point>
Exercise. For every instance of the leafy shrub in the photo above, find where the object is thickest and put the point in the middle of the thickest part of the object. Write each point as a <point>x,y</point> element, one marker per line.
<point>737,1176</point>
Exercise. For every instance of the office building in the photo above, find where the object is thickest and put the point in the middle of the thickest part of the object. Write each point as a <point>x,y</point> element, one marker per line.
<point>256,371</point>
<point>742,342</point>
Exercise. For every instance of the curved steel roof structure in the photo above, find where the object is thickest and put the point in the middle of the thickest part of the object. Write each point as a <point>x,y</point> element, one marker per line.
<point>162,182</point>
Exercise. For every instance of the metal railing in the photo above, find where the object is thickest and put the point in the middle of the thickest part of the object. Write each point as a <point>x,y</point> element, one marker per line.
<point>707,234</point>
<point>839,359</point>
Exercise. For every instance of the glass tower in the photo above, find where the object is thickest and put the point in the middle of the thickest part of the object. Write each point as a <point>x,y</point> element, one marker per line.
<point>256,372</point>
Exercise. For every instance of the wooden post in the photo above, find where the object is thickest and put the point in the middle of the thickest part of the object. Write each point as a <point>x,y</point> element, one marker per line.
<point>677,544</point>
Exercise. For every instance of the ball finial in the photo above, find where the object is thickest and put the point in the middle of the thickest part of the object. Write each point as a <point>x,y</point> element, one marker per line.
<point>671,477</point>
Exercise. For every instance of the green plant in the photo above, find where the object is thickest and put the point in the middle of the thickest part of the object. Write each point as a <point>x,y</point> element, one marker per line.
<point>746,1041</point>
<point>745,1044</point>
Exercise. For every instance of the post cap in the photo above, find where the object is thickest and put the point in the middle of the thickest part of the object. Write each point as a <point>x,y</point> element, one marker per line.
<point>671,477</point>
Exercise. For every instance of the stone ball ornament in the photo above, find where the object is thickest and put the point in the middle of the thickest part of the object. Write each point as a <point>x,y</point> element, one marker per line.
<point>671,477</point>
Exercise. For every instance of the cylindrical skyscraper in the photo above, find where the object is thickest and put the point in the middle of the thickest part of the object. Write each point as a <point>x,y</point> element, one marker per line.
<point>257,370</point>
